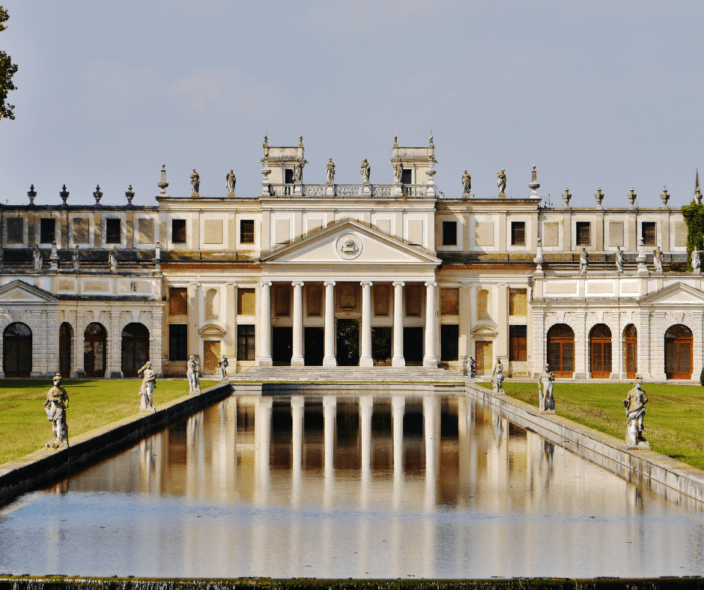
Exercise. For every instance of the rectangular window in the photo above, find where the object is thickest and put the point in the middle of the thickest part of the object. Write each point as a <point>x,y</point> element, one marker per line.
<point>288,175</point>
<point>178,231</point>
<point>517,302</point>
<point>247,231</point>
<point>449,233</point>
<point>518,233</point>
<point>407,176</point>
<point>583,233</point>
<point>246,302</point>
<point>47,231</point>
<point>649,237</point>
<point>245,343</point>
<point>178,301</point>
<point>15,230</point>
<point>517,343</point>
<point>113,233</point>
<point>178,342</point>
<point>449,339</point>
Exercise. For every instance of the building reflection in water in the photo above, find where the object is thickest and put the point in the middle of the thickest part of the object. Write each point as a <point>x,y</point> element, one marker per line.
<point>333,486</point>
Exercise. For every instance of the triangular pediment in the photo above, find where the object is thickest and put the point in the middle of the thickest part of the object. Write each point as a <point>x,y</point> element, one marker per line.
<point>22,293</point>
<point>348,242</point>
<point>677,294</point>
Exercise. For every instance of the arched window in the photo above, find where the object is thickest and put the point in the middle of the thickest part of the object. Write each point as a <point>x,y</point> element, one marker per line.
<point>483,305</point>
<point>135,348</point>
<point>65,340</point>
<point>678,352</point>
<point>94,350</point>
<point>17,350</point>
<point>630,351</point>
<point>600,351</point>
<point>561,350</point>
<point>212,304</point>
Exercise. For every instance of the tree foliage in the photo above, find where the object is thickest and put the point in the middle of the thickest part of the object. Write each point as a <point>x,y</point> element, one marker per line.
<point>694,217</point>
<point>7,70</point>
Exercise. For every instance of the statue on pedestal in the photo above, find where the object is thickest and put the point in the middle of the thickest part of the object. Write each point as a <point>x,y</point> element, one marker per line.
<point>195,183</point>
<point>471,368</point>
<point>365,171</point>
<point>583,262</point>
<point>635,413</point>
<point>75,256</point>
<point>38,260</point>
<point>501,182</point>
<point>657,259</point>
<point>230,181</point>
<point>696,260</point>
<point>222,367</point>
<point>546,401</point>
<point>193,375</point>
<point>619,260</point>
<point>466,183</point>
<point>497,377</point>
<point>330,171</point>
<point>398,172</point>
<point>112,259</point>
<point>55,405</point>
<point>147,388</point>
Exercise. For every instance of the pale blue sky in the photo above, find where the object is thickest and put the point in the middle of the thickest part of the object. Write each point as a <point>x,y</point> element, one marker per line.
<point>595,93</point>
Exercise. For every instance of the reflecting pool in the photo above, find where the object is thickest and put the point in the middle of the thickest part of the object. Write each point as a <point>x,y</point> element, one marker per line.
<point>366,487</point>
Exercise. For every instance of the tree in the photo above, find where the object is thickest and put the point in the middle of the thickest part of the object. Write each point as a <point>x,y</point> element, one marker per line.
<point>7,70</point>
<point>694,218</point>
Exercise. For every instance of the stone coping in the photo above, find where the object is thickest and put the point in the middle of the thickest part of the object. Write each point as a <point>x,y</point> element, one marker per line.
<point>667,477</point>
<point>46,465</point>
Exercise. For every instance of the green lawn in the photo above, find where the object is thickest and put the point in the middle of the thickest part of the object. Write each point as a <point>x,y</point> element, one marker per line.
<point>23,424</point>
<point>674,421</point>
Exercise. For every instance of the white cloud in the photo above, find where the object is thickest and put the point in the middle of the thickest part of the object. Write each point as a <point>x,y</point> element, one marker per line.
<point>110,79</point>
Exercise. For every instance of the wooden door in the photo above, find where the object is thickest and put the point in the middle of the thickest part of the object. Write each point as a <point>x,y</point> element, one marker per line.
<point>600,351</point>
<point>94,351</point>
<point>65,339</point>
<point>678,352</point>
<point>484,352</point>
<point>211,354</point>
<point>561,350</point>
<point>630,351</point>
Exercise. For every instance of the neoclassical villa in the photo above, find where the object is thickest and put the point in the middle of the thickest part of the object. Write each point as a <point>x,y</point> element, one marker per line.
<point>334,274</point>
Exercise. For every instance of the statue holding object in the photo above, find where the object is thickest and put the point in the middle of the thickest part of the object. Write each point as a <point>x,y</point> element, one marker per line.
<point>55,405</point>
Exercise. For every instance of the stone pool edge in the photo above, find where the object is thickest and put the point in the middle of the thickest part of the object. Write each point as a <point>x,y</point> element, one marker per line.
<point>660,473</point>
<point>45,465</point>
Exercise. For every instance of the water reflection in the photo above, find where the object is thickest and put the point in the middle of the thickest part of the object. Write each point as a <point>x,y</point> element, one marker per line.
<point>333,486</point>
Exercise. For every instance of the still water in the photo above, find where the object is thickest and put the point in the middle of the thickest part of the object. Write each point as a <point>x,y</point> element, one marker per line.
<point>364,487</point>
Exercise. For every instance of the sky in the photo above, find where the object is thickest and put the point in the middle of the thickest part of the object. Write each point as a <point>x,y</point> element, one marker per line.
<point>594,93</point>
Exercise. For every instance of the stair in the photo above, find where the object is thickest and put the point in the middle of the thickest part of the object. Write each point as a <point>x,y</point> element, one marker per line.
<point>348,375</point>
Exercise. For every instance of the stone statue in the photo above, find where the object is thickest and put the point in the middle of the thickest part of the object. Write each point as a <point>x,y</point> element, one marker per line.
<point>472,367</point>
<point>635,413</point>
<point>546,400</point>
<point>298,172</point>
<point>55,405</point>
<point>696,260</point>
<point>497,377</point>
<point>76,258</point>
<point>38,260</point>
<point>657,259</point>
<point>365,171</point>
<point>501,182</point>
<point>619,259</point>
<point>466,183</point>
<point>231,181</point>
<point>398,172</point>
<point>583,262</point>
<point>192,375</point>
<point>195,183</point>
<point>112,259</point>
<point>330,171</point>
<point>147,388</point>
<point>222,367</point>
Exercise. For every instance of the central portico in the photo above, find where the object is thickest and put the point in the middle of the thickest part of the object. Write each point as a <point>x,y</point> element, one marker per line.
<point>369,297</point>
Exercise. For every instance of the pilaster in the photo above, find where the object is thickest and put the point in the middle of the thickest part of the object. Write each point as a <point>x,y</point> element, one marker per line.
<point>581,347</point>
<point>651,352</point>
<point>114,364</point>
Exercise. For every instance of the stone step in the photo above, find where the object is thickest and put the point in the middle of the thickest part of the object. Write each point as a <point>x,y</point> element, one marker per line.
<point>349,374</point>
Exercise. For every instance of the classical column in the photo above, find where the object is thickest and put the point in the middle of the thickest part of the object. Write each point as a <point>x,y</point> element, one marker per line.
<point>398,359</point>
<point>297,356</point>
<point>329,360</point>
<point>297,443</point>
<point>264,327</point>
<point>430,358</point>
<point>365,358</point>
<point>366,408</point>
<point>398,408</point>
<point>329,413</point>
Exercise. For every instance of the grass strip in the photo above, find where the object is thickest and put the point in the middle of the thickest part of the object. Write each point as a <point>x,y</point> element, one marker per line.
<point>24,427</point>
<point>674,420</point>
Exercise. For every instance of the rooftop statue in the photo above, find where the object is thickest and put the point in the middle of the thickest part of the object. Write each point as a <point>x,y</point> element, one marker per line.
<point>619,259</point>
<point>635,413</point>
<point>365,171</point>
<point>696,260</point>
<point>192,375</point>
<point>112,259</point>
<point>466,183</point>
<point>546,400</point>
<point>37,256</point>
<point>330,171</point>
<point>55,405</point>
<point>583,262</point>
<point>195,183</point>
<point>147,388</point>
<point>398,172</point>
<point>298,172</point>
<point>658,259</point>
<point>230,181</point>
<point>501,182</point>
<point>75,256</point>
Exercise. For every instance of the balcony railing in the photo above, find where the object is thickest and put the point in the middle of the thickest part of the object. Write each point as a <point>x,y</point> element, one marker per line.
<point>346,190</point>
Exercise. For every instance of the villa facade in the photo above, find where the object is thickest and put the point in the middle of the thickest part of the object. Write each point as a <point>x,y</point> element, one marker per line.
<point>331,274</point>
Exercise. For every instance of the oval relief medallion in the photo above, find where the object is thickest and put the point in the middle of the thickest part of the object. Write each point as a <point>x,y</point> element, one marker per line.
<point>349,246</point>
